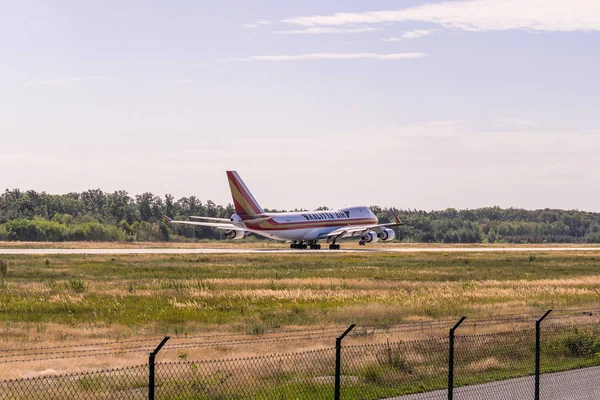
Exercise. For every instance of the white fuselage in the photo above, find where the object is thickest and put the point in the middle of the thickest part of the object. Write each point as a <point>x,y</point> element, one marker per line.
<point>307,225</point>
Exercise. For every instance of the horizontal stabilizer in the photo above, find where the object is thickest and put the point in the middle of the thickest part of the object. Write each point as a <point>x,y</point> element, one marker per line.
<point>218,225</point>
<point>257,220</point>
<point>211,218</point>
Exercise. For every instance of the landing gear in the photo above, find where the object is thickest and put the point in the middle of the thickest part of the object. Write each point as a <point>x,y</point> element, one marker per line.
<point>362,243</point>
<point>301,245</point>
<point>315,246</point>
<point>334,246</point>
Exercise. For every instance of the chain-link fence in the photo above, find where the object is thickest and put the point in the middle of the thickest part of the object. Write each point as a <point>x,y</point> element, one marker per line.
<point>308,375</point>
<point>119,383</point>
<point>490,366</point>
<point>392,369</point>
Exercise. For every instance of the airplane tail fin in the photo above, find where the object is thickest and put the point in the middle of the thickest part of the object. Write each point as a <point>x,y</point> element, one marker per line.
<point>243,201</point>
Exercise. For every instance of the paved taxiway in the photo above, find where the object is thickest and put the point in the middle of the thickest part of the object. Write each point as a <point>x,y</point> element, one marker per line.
<point>280,251</point>
<point>578,384</point>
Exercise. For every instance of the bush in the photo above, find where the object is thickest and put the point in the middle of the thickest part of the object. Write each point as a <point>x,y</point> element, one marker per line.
<point>64,219</point>
<point>147,232</point>
<point>592,237</point>
<point>256,328</point>
<point>76,285</point>
<point>3,272</point>
<point>3,268</point>
<point>114,234</point>
<point>95,231</point>
<point>37,230</point>
<point>580,343</point>
<point>40,230</point>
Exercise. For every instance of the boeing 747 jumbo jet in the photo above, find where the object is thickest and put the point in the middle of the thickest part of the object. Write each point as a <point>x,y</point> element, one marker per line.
<point>303,229</point>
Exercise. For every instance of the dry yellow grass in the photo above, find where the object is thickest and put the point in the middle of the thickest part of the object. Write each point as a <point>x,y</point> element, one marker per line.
<point>234,294</point>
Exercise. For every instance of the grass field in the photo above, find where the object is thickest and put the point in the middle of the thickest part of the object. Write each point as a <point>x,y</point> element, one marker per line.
<point>45,300</point>
<point>168,293</point>
<point>263,244</point>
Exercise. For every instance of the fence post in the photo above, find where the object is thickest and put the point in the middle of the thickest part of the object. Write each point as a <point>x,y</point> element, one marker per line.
<point>151,365</point>
<point>451,359</point>
<point>537,355</point>
<point>338,361</point>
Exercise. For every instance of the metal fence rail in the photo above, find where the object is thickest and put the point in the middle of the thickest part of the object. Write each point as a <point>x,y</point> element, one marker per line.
<point>491,367</point>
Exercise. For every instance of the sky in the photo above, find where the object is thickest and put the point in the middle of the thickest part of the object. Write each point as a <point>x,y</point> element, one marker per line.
<point>411,104</point>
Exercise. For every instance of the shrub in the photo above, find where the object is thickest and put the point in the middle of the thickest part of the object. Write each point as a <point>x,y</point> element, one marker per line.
<point>64,219</point>
<point>256,328</point>
<point>147,232</point>
<point>36,230</point>
<point>3,272</point>
<point>373,374</point>
<point>394,359</point>
<point>592,237</point>
<point>76,285</point>
<point>580,343</point>
<point>95,231</point>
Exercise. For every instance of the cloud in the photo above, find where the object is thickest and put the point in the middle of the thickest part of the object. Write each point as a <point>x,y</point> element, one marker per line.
<point>256,24</point>
<point>185,81</point>
<point>332,56</point>
<point>320,30</point>
<point>478,15</point>
<point>66,80</point>
<point>518,122</point>
<point>16,159</point>
<point>417,33</point>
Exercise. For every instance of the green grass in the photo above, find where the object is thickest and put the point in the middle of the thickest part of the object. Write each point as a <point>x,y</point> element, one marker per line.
<point>382,371</point>
<point>158,291</point>
<point>254,293</point>
<point>417,266</point>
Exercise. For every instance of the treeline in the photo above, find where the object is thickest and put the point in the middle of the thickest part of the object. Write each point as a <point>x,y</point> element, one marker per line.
<point>95,215</point>
<point>495,225</point>
<point>99,216</point>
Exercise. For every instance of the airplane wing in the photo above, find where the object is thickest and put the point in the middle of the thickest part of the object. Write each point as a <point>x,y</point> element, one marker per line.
<point>216,225</point>
<point>211,218</point>
<point>360,230</point>
<point>250,221</point>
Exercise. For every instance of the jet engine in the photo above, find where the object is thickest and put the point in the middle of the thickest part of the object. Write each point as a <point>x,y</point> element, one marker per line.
<point>235,234</point>
<point>386,235</point>
<point>369,237</point>
<point>236,219</point>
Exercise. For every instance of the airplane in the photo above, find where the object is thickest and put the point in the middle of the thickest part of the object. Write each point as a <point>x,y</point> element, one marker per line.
<point>304,229</point>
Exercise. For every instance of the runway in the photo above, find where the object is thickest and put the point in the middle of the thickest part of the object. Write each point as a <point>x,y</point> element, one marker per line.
<point>290,251</point>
